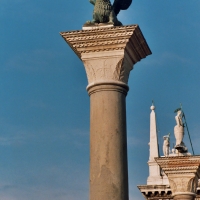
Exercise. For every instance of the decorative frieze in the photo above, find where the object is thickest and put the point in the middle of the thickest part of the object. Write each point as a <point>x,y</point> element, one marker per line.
<point>107,39</point>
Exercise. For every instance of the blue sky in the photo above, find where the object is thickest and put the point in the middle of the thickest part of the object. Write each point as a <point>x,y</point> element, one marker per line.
<point>44,106</point>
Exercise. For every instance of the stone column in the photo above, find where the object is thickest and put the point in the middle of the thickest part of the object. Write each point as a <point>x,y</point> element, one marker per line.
<point>183,173</point>
<point>108,55</point>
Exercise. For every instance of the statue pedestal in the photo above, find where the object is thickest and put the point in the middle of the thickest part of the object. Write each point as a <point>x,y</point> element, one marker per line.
<point>183,173</point>
<point>108,55</point>
<point>88,26</point>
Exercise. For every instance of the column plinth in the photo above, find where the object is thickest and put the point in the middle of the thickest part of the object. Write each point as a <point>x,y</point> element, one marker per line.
<point>108,55</point>
<point>183,173</point>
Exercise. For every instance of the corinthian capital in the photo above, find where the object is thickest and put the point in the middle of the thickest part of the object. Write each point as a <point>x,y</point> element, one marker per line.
<point>183,173</point>
<point>113,66</point>
<point>108,54</point>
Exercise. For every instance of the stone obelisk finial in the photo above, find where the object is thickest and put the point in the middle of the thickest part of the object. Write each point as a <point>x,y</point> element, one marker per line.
<point>108,55</point>
<point>154,169</point>
<point>154,152</point>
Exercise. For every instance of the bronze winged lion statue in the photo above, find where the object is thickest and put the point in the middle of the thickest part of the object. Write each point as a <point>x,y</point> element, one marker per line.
<point>105,12</point>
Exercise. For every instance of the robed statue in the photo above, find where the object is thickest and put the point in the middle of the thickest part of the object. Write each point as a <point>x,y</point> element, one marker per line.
<point>179,128</point>
<point>166,145</point>
<point>179,132</point>
<point>105,12</point>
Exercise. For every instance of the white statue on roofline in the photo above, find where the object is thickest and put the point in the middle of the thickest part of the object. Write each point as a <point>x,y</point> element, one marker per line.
<point>179,132</point>
<point>166,145</point>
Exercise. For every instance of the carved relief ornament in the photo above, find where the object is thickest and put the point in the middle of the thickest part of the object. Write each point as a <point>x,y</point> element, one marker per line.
<point>108,54</point>
<point>183,184</point>
<point>107,69</point>
<point>183,172</point>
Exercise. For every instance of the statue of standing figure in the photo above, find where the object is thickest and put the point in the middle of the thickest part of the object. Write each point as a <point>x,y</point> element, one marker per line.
<point>166,145</point>
<point>179,128</point>
<point>179,132</point>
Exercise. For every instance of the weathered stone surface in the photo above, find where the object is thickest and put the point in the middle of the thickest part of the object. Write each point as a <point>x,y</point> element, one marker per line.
<point>183,173</point>
<point>108,55</point>
<point>108,146</point>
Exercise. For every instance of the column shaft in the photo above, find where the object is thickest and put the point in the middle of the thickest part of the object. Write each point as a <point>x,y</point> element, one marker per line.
<point>108,143</point>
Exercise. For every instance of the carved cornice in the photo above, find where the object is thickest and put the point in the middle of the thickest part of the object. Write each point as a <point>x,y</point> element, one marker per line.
<point>108,54</point>
<point>152,192</point>
<point>159,192</point>
<point>183,173</point>
<point>179,164</point>
<point>126,38</point>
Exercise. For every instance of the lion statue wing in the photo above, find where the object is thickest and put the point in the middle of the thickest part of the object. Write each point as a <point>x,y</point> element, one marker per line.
<point>121,5</point>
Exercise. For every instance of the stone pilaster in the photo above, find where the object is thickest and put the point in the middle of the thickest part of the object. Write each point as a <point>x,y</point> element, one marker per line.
<point>183,173</point>
<point>108,55</point>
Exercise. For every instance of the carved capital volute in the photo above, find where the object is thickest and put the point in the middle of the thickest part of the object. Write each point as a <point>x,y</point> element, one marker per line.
<point>183,184</point>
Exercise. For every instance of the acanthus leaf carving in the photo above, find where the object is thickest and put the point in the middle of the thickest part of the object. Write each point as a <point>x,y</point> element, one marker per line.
<point>126,68</point>
<point>183,184</point>
<point>117,71</point>
<point>91,76</point>
<point>172,185</point>
<point>107,69</point>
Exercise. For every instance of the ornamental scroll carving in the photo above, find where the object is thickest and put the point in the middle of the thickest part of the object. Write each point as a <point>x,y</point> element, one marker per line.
<point>172,185</point>
<point>192,185</point>
<point>183,184</point>
<point>107,69</point>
